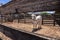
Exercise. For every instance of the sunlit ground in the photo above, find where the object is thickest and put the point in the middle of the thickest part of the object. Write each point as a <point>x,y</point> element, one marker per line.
<point>47,30</point>
<point>3,37</point>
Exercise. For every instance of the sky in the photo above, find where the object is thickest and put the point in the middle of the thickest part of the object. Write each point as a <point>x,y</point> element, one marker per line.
<point>4,1</point>
<point>50,12</point>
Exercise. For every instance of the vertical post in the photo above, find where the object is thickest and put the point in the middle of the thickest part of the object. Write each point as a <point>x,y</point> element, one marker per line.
<point>5,18</point>
<point>24,18</point>
<point>42,20</point>
<point>10,16</point>
<point>18,18</point>
<point>57,17</point>
<point>54,20</point>
<point>1,18</point>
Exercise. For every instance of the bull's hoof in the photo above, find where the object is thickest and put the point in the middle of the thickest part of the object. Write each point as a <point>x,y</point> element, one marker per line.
<point>36,29</point>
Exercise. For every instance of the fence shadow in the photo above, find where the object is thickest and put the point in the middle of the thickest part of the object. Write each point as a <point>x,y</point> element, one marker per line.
<point>18,35</point>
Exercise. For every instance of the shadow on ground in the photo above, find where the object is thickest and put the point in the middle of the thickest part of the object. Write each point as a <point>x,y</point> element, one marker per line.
<point>0,39</point>
<point>18,35</point>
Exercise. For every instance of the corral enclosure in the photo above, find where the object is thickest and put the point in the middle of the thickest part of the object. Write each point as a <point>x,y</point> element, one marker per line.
<point>15,12</point>
<point>24,6</point>
<point>26,17</point>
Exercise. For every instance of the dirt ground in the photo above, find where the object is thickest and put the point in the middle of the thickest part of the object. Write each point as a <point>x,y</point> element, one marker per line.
<point>47,30</point>
<point>3,37</point>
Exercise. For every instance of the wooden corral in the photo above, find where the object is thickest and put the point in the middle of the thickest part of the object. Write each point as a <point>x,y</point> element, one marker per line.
<point>24,6</point>
<point>21,7</point>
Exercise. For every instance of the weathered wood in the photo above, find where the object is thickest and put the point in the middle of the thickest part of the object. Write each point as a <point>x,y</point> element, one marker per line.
<point>30,5</point>
<point>57,17</point>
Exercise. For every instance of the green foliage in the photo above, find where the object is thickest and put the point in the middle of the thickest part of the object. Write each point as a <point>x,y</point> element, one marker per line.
<point>45,13</point>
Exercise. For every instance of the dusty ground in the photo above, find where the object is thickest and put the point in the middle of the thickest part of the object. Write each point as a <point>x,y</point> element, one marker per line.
<point>47,30</point>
